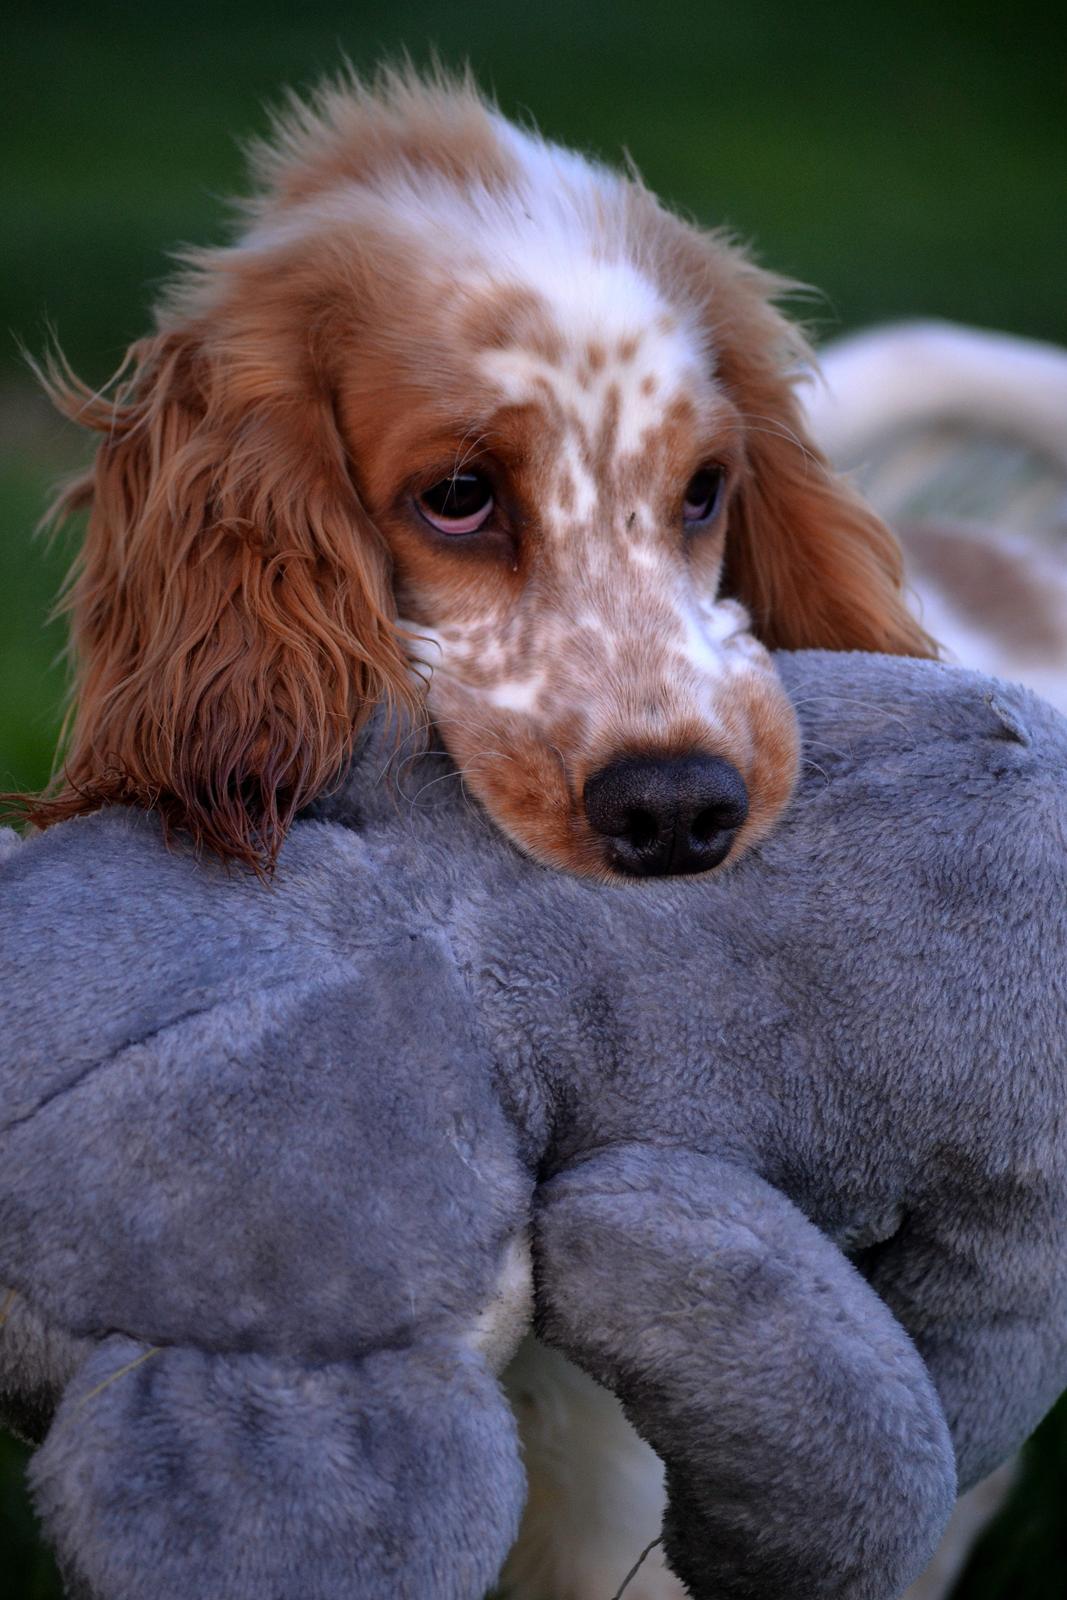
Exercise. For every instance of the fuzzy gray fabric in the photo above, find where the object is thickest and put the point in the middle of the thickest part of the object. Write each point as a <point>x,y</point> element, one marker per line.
<point>789,1141</point>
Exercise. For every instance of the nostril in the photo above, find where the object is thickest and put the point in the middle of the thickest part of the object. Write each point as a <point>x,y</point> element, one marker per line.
<point>705,823</point>
<point>641,828</point>
<point>728,813</point>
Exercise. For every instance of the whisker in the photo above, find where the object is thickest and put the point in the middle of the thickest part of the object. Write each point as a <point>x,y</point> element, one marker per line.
<point>813,766</point>
<point>847,700</point>
<point>458,772</point>
<point>466,449</point>
<point>779,430</point>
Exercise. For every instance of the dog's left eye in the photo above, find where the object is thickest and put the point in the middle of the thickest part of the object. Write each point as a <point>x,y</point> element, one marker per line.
<point>703,496</point>
<point>460,504</point>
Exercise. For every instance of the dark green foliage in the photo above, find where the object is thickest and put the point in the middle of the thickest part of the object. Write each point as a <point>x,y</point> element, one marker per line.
<point>1024,1551</point>
<point>28,1568</point>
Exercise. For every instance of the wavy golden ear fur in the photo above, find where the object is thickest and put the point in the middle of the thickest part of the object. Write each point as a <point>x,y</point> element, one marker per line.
<point>815,566</point>
<point>231,610</point>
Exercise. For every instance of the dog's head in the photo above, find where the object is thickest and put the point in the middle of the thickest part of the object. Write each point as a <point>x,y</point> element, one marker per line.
<point>469,424</point>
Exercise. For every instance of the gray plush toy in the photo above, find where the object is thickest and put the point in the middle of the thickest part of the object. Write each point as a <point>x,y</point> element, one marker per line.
<point>787,1142</point>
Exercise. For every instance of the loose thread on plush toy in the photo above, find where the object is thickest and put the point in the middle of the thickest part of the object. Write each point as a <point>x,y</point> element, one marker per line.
<point>8,1305</point>
<point>121,1373</point>
<point>635,1569</point>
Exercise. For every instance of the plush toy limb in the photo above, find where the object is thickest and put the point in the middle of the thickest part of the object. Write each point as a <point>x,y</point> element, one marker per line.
<point>807,1454</point>
<point>173,1473</point>
<point>981,1283</point>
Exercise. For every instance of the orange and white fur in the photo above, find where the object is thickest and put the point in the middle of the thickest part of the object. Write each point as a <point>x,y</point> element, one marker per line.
<point>959,437</point>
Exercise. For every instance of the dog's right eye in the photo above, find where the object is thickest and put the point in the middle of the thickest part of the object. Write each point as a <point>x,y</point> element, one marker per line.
<point>459,504</point>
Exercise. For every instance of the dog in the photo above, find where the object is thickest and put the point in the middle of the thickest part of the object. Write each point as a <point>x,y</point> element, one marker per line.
<point>475,429</point>
<point>467,425</point>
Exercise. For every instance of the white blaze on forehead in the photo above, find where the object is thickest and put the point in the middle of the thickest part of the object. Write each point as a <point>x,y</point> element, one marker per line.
<point>646,355</point>
<point>583,486</point>
<point>560,233</point>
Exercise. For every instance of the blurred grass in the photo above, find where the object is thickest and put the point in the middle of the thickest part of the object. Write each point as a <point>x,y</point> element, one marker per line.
<point>900,158</point>
<point>35,453</point>
<point>906,160</point>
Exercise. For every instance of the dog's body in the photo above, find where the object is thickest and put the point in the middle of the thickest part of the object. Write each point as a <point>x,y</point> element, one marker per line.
<point>959,438</point>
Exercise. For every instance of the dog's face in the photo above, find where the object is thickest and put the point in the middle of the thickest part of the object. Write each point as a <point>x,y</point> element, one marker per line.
<point>554,482</point>
<point>465,422</point>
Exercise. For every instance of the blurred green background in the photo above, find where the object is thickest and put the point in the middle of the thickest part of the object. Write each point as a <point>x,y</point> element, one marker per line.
<point>906,159</point>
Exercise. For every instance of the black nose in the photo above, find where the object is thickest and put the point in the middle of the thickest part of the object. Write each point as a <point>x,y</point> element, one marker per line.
<point>665,815</point>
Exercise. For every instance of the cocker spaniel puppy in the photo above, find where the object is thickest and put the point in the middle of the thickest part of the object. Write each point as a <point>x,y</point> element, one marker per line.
<point>473,426</point>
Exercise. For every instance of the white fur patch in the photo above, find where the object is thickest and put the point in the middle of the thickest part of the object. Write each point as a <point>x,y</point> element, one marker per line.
<point>503,1322</point>
<point>596,1494</point>
<point>425,650</point>
<point>607,305</point>
<point>645,555</point>
<point>517,694</point>
<point>723,620</point>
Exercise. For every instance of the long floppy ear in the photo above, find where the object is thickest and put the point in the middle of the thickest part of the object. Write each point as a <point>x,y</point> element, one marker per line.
<point>232,614</point>
<point>813,564</point>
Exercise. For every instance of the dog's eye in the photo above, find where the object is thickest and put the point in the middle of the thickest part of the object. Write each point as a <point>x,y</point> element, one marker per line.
<point>703,495</point>
<point>460,504</point>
